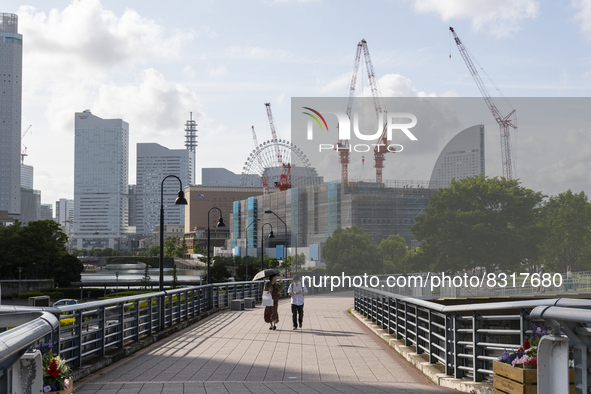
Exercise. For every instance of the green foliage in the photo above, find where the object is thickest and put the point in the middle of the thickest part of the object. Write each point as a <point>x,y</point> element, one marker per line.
<point>197,247</point>
<point>40,249</point>
<point>219,273</point>
<point>170,246</point>
<point>350,251</point>
<point>394,253</point>
<point>566,219</point>
<point>479,221</point>
<point>182,250</point>
<point>153,262</point>
<point>146,281</point>
<point>294,262</point>
<point>153,251</point>
<point>175,278</point>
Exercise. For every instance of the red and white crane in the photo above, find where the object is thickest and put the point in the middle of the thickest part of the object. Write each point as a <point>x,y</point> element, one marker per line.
<point>505,122</point>
<point>285,177</point>
<point>380,149</point>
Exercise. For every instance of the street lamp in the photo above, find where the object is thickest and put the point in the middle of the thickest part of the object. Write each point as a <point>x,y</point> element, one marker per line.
<point>180,200</point>
<point>251,223</point>
<point>263,241</point>
<point>220,223</point>
<point>19,280</point>
<point>285,247</point>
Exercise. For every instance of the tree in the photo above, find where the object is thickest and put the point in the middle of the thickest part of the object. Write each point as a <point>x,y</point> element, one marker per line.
<point>175,278</point>
<point>182,250</point>
<point>394,254</point>
<point>567,221</point>
<point>197,247</point>
<point>350,251</point>
<point>40,249</point>
<point>170,246</point>
<point>219,272</point>
<point>296,262</point>
<point>153,251</point>
<point>146,281</point>
<point>479,221</point>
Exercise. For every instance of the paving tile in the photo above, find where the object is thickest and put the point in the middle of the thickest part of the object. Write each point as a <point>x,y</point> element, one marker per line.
<point>233,352</point>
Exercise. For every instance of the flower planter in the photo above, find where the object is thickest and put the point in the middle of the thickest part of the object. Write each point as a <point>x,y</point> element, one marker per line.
<point>512,380</point>
<point>68,391</point>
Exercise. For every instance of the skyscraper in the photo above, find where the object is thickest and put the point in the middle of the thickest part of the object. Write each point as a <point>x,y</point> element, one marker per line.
<point>191,145</point>
<point>11,53</point>
<point>154,163</point>
<point>101,169</point>
<point>462,157</point>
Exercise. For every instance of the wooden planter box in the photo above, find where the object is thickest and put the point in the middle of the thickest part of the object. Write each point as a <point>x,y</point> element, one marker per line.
<point>511,380</point>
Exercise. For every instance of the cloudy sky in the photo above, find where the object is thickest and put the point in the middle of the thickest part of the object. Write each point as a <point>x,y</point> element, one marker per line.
<point>151,63</point>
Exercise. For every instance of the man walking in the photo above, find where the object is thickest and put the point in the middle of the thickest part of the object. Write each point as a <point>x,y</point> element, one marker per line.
<point>297,290</point>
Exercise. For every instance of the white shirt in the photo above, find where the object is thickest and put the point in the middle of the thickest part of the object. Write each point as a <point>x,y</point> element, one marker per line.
<point>299,287</point>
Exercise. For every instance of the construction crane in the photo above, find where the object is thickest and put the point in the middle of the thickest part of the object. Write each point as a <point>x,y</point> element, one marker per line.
<point>264,178</point>
<point>505,122</point>
<point>24,150</point>
<point>382,143</point>
<point>285,177</point>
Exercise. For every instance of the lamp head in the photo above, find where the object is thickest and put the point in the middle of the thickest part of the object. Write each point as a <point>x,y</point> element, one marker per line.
<point>181,200</point>
<point>221,223</point>
<point>271,234</point>
<point>268,211</point>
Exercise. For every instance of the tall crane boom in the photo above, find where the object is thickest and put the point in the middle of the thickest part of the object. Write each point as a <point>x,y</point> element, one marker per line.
<point>273,132</point>
<point>505,122</point>
<point>264,178</point>
<point>24,150</point>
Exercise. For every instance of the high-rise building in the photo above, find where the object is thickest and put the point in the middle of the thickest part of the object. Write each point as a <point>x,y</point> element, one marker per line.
<point>46,212</point>
<point>462,157</point>
<point>154,163</point>
<point>30,205</point>
<point>131,208</point>
<point>26,176</point>
<point>101,172</point>
<point>11,55</point>
<point>64,211</point>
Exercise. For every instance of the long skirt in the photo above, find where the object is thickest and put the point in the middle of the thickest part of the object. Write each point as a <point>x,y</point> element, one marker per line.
<point>271,314</point>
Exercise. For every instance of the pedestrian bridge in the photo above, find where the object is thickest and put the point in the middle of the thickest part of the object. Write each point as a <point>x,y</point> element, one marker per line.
<point>234,351</point>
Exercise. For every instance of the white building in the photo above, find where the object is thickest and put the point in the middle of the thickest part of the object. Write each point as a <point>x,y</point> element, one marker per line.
<point>101,169</point>
<point>11,66</point>
<point>26,176</point>
<point>154,163</point>
<point>462,157</point>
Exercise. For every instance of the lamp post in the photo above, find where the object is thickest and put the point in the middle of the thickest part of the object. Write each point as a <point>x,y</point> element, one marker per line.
<point>263,242</point>
<point>285,247</point>
<point>117,288</point>
<point>180,200</point>
<point>19,280</point>
<point>220,223</point>
<point>246,267</point>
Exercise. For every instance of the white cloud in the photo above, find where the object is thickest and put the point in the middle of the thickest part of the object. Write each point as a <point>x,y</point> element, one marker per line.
<point>218,71</point>
<point>257,53</point>
<point>500,17</point>
<point>583,17</point>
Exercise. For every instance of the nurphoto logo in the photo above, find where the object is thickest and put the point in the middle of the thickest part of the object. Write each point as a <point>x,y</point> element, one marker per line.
<point>383,135</point>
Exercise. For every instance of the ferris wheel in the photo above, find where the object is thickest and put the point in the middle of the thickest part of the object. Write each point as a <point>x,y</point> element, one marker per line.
<point>262,166</point>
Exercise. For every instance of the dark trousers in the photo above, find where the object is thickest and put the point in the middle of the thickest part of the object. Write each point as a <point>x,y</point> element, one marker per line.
<point>295,310</point>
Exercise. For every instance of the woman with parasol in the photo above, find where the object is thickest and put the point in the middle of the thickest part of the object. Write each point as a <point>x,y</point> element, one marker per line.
<point>274,287</point>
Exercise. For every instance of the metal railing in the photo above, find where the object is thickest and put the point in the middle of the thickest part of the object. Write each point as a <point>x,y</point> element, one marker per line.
<point>90,329</point>
<point>466,338</point>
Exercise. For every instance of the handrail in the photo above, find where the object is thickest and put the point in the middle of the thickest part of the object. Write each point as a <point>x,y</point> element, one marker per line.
<point>466,338</point>
<point>14,343</point>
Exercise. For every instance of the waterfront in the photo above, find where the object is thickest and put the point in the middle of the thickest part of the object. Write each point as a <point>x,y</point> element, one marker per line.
<point>136,274</point>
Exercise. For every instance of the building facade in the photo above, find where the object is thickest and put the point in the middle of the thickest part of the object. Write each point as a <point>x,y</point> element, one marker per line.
<point>27,176</point>
<point>46,212</point>
<point>100,181</point>
<point>30,205</point>
<point>312,213</point>
<point>462,157</point>
<point>64,212</point>
<point>11,66</point>
<point>154,163</point>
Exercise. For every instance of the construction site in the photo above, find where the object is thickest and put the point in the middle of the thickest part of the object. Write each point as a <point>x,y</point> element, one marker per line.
<point>303,211</point>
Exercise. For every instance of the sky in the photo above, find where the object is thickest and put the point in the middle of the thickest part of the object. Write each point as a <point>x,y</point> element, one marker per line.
<point>151,63</point>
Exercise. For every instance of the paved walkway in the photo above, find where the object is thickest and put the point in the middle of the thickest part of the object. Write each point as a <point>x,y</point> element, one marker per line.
<point>235,352</point>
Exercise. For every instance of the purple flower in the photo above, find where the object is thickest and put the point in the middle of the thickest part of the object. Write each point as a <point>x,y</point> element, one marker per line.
<point>503,356</point>
<point>55,386</point>
<point>50,344</point>
<point>46,388</point>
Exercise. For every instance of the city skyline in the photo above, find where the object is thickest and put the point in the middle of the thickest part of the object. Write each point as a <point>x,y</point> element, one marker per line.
<point>153,66</point>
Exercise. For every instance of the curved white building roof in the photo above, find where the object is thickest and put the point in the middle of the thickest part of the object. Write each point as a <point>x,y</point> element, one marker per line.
<point>462,157</point>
